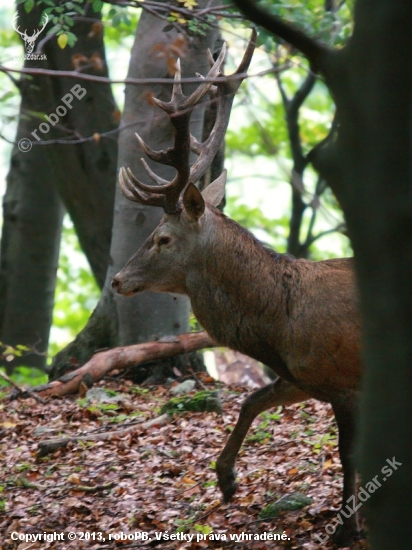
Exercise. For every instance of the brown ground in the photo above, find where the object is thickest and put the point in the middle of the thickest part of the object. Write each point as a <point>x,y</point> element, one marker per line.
<point>162,479</point>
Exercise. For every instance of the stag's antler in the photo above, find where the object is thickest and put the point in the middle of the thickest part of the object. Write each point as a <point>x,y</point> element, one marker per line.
<point>46,20</point>
<point>14,24</point>
<point>166,194</point>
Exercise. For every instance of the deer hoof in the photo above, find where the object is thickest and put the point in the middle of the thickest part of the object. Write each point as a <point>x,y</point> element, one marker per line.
<point>227,482</point>
<point>345,535</point>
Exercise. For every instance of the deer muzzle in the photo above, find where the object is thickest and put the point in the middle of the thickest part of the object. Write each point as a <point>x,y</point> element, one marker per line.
<point>121,286</point>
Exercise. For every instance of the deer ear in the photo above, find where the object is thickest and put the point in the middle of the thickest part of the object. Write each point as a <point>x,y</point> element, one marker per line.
<point>193,202</point>
<point>214,193</point>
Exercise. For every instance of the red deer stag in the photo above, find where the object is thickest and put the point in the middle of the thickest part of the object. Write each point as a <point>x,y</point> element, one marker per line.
<point>297,316</point>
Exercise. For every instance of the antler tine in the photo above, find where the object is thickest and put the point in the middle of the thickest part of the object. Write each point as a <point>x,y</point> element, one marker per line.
<point>163,187</point>
<point>178,101</point>
<point>130,192</point>
<point>14,22</point>
<point>197,95</point>
<point>195,146</point>
<point>167,198</point>
<point>162,157</point>
<point>247,56</point>
<point>177,86</point>
<point>166,194</point>
<point>208,149</point>
<point>177,94</point>
<point>226,90</point>
<point>212,89</point>
<point>157,179</point>
<point>210,57</point>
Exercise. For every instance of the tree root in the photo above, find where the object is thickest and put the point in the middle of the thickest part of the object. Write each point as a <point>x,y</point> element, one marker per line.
<point>120,358</point>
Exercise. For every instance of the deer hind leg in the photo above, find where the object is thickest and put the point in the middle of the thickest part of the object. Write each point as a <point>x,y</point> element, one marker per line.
<point>345,414</point>
<point>273,395</point>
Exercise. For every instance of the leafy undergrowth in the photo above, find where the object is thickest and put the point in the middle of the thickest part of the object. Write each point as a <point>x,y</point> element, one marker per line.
<point>162,479</point>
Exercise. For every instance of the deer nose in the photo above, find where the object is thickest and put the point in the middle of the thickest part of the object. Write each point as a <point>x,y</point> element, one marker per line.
<point>116,284</point>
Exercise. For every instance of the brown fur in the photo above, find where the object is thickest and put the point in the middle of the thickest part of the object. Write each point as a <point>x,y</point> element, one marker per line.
<point>297,316</point>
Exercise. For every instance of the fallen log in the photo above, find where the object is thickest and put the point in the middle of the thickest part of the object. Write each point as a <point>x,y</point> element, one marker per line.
<point>121,358</point>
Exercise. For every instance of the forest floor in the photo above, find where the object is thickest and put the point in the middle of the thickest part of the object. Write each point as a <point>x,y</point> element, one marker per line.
<point>157,482</point>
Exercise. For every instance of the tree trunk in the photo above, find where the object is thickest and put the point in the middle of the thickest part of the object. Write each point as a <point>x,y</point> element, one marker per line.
<point>373,92</point>
<point>30,237</point>
<point>123,321</point>
<point>83,176</point>
<point>368,167</point>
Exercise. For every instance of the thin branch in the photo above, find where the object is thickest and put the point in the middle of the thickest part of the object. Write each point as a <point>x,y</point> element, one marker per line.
<point>317,53</point>
<point>340,228</point>
<point>303,92</point>
<point>283,94</point>
<point>48,446</point>
<point>315,203</point>
<point>135,81</point>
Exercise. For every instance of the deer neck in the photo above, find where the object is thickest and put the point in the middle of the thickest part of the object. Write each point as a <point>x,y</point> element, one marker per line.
<point>234,284</point>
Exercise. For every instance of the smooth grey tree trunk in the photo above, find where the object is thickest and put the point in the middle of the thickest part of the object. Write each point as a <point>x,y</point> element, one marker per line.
<point>118,320</point>
<point>41,180</point>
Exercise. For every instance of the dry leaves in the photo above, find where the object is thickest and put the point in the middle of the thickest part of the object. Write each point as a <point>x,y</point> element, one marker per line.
<point>163,479</point>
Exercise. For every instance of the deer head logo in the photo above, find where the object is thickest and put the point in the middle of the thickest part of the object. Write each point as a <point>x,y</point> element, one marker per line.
<point>29,41</point>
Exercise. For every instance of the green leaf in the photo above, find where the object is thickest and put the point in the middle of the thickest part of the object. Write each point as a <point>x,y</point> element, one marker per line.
<point>97,5</point>
<point>28,5</point>
<point>117,19</point>
<point>205,529</point>
<point>72,38</point>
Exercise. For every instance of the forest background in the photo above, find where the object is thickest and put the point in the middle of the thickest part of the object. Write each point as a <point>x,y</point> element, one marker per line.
<point>285,205</point>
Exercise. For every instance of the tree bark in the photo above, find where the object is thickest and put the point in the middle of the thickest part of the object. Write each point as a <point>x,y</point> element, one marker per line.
<point>150,315</point>
<point>30,239</point>
<point>372,85</point>
<point>121,358</point>
<point>82,176</point>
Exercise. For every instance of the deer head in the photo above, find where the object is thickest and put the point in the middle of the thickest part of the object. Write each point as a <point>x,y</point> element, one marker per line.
<point>29,41</point>
<point>161,263</point>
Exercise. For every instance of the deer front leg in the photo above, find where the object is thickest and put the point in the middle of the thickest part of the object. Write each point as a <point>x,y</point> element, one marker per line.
<point>274,395</point>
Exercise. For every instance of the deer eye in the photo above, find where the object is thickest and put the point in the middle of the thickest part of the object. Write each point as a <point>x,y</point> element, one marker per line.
<point>164,241</point>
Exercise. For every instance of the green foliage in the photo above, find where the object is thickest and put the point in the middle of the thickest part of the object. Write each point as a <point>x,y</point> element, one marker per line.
<point>200,402</point>
<point>273,232</point>
<point>204,529</point>
<point>328,439</point>
<point>333,28</point>
<point>26,376</point>
<point>267,133</point>
<point>62,16</point>
<point>119,24</point>
<point>295,501</point>
<point>119,17</point>
<point>260,434</point>
<point>2,500</point>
